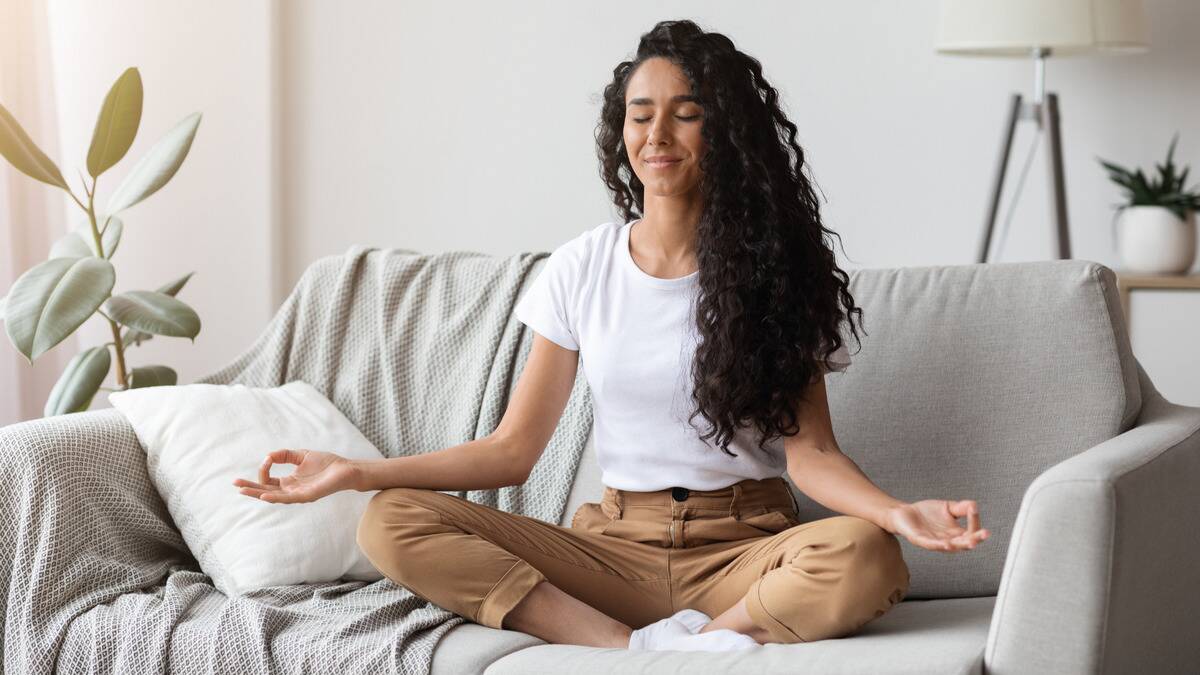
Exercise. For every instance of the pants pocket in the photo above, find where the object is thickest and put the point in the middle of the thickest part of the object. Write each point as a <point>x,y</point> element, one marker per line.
<point>770,522</point>
<point>590,517</point>
<point>701,531</point>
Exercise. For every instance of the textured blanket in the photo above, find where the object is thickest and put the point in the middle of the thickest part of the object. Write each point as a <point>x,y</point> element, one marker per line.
<point>419,351</point>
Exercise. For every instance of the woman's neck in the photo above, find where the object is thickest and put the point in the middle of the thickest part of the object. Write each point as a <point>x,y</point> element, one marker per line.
<point>666,236</point>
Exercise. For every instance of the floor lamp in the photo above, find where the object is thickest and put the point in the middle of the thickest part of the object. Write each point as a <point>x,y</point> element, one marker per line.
<point>1037,29</point>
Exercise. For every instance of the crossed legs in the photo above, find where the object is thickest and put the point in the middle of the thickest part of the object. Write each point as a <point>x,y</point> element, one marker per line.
<point>820,579</point>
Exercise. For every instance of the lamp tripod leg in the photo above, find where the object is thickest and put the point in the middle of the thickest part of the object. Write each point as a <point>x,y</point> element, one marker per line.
<point>1057,183</point>
<point>989,223</point>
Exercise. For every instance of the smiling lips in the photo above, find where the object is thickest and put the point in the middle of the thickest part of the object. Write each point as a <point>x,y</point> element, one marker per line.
<point>662,163</point>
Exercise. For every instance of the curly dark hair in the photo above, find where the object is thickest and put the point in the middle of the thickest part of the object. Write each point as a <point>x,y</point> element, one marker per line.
<point>771,294</point>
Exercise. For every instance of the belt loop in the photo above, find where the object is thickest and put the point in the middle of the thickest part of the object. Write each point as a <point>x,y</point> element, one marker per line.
<point>733,501</point>
<point>620,501</point>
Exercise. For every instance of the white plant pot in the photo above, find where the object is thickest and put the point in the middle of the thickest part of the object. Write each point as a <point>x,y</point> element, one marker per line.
<point>1152,239</point>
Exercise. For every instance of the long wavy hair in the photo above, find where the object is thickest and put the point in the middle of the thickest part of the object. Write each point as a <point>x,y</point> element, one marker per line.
<point>771,298</point>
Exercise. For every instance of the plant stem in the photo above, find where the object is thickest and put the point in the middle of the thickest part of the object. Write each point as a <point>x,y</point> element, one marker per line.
<point>120,350</point>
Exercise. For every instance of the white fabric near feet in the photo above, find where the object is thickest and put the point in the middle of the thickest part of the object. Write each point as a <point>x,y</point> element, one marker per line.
<point>720,640</point>
<point>692,618</point>
<point>681,632</point>
<point>683,623</point>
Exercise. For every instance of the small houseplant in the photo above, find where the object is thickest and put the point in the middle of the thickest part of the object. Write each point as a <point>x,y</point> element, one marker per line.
<point>48,302</point>
<point>1155,231</point>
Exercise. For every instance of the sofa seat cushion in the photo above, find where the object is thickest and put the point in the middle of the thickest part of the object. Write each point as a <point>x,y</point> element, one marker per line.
<point>469,648</point>
<point>922,637</point>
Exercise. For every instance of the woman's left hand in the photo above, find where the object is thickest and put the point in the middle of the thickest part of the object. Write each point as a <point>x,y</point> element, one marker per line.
<point>933,524</point>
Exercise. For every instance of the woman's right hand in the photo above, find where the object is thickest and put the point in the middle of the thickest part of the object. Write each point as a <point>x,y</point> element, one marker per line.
<point>317,474</point>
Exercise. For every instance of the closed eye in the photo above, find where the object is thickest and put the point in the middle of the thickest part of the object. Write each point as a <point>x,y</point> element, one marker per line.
<point>687,118</point>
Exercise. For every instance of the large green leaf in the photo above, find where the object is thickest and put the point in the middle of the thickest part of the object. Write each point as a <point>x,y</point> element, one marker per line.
<point>23,153</point>
<point>50,300</point>
<point>137,337</point>
<point>117,123</point>
<point>79,242</point>
<point>79,382</point>
<point>156,167</point>
<point>152,376</point>
<point>153,312</point>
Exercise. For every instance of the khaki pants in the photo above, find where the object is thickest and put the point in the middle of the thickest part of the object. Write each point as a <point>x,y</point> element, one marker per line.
<point>642,556</point>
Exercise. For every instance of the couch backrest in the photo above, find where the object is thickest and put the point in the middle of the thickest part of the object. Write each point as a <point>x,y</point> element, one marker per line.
<point>973,380</point>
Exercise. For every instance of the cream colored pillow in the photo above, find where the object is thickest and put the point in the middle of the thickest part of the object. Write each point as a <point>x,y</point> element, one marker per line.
<point>199,437</point>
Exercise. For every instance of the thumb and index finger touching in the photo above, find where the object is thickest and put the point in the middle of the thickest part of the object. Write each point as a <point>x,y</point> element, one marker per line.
<point>281,456</point>
<point>968,508</point>
<point>266,482</point>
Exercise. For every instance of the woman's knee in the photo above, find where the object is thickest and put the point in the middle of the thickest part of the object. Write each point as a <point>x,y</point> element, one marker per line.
<point>875,576</point>
<point>873,553</point>
<point>389,516</point>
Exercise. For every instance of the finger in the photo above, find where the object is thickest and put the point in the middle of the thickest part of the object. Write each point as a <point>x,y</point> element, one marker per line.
<point>970,539</point>
<point>962,507</point>
<point>281,456</point>
<point>933,544</point>
<point>963,544</point>
<point>973,520</point>
<point>272,496</point>
<point>252,492</point>
<point>287,456</point>
<point>242,482</point>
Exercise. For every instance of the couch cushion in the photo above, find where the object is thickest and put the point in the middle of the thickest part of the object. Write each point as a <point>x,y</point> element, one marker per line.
<point>468,648</point>
<point>919,637</point>
<point>975,379</point>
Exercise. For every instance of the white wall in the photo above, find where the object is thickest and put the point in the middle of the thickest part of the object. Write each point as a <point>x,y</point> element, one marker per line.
<point>469,125</point>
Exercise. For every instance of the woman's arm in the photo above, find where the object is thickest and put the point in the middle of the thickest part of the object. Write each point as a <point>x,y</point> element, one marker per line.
<point>482,464</point>
<point>507,455</point>
<point>819,469</point>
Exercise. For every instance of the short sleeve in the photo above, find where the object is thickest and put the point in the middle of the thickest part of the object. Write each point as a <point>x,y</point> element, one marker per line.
<point>546,305</point>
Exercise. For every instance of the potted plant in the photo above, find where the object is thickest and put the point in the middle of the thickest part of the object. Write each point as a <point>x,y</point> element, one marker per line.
<point>51,300</point>
<point>1156,231</point>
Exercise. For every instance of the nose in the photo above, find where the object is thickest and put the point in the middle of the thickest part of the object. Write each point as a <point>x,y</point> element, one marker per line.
<point>658,132</point>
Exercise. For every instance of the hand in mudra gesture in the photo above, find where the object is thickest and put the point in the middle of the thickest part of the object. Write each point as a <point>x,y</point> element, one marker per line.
<point>317,474</point>
<point>933,524</point>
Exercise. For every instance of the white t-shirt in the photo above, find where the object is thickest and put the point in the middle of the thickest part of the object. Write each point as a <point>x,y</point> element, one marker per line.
<point>636,337</point>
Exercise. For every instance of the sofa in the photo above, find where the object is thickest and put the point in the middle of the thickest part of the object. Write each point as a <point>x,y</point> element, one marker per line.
<point>1012,384</point>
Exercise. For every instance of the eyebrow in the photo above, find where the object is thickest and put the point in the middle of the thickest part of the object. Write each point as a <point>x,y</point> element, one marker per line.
<point>645,101</point>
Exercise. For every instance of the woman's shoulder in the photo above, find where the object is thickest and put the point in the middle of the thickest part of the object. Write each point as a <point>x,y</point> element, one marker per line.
<point>588,244</point>
<point>595,237</point>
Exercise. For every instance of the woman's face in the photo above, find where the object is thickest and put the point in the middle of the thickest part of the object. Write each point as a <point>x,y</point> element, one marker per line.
<point>663,120</point>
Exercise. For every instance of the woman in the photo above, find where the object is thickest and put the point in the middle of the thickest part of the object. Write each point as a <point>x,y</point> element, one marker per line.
<point>722,300</point>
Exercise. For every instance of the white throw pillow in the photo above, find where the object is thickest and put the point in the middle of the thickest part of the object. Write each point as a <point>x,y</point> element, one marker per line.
<point>199,437</point>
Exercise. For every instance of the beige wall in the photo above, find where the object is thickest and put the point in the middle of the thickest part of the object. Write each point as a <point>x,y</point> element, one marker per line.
<point>469,125</point>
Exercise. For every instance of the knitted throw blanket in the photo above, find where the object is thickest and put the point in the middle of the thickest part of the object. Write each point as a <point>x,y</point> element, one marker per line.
<point>420,351</point>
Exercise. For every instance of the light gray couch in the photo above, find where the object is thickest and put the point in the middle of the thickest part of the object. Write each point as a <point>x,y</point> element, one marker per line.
<point>1012,384</point>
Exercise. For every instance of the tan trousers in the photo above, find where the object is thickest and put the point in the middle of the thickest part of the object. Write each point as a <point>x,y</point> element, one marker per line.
<point>642,556</point>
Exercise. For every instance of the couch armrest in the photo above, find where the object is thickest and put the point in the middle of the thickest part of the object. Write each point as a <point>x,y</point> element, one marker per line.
<point>1103,570</point>
<point>80,524</point>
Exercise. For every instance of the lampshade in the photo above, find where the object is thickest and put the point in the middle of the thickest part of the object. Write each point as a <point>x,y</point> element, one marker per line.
<point>1015,27</point>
